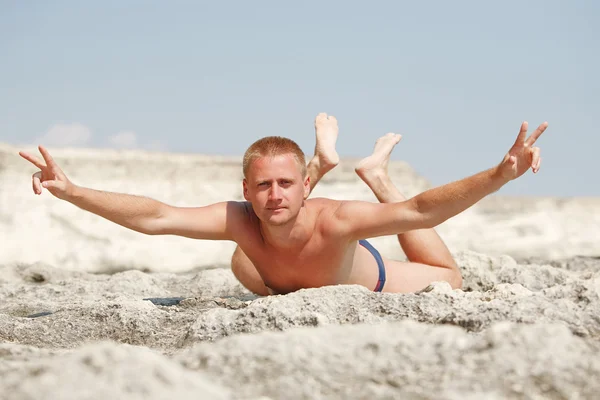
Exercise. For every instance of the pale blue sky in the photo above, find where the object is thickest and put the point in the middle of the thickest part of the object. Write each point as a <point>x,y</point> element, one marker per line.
<point>455,78</point>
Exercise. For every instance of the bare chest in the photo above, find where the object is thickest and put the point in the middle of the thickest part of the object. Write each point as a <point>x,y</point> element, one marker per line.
<point>321,261</point>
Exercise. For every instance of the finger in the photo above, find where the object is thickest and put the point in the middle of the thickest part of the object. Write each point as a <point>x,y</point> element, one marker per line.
<point>536,134</point>
<point>49,160</point>
<point>535,156</point>
<point>51,184</point>
<point>33,159</point>
<point>522,133</point>
<point>36,182</point>
<point>537,167</point>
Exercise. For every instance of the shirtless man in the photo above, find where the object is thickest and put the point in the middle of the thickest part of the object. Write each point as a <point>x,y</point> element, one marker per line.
<point>287,242</point>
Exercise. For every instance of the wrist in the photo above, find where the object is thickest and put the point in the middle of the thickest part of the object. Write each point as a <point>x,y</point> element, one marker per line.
<point>498,177</point>
<point>72,192</point>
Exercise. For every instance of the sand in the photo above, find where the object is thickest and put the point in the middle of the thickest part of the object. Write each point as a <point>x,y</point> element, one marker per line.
<point>91,310</point>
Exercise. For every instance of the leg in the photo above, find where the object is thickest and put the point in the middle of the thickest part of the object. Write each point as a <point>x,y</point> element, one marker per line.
<point>423,247</point>
<point>324,160</point>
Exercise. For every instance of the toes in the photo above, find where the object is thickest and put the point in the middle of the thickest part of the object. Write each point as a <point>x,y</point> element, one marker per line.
<point>392,136</point>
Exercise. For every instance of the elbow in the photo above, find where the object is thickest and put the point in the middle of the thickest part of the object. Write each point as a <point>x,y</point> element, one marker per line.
<point>458,284</point>
<point>456,281</point>
<point>424,218</point>
<point>151,232</point>
<point>455,278</point>
<point>146,228</point>
<point>429,222</point>
<point>157,224</point>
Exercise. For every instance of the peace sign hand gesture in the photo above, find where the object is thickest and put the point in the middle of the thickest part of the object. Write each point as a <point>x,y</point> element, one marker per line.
<point>522,155</point>
<point>50,175</point>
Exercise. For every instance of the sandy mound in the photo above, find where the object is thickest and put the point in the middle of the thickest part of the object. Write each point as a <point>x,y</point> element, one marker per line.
<point>405,360</point>
<point>103,371</point>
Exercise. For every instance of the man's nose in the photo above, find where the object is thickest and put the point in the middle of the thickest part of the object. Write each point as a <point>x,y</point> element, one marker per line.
<point>275,192</point>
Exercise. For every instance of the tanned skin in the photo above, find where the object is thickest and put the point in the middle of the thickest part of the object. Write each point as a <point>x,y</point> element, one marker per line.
<point>286,241</point>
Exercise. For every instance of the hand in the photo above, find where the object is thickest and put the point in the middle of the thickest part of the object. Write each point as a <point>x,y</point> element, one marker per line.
<point>50,175</point>
<point>522,155</point>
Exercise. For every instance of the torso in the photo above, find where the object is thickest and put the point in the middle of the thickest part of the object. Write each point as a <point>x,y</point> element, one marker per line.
<point>321,257</point>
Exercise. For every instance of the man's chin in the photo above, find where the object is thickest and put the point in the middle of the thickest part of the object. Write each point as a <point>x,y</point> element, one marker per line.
<point>279,219</point>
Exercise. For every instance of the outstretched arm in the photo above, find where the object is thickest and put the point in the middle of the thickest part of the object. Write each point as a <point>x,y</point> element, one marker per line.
<point>138,213</point>
<point>362,220</point>
<point>152,217</point>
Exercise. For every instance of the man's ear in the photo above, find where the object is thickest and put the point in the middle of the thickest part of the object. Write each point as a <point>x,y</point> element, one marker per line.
<point>306,187</point>
<point>245,189</point>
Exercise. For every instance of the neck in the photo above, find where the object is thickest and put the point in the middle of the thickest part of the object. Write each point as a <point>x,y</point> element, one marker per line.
<point>285,236</point>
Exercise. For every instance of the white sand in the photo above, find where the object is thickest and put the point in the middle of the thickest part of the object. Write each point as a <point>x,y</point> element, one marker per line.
<point>519,329</point>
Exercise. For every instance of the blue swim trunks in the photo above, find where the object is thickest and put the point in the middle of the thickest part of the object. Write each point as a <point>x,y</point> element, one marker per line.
<point>380,264</point>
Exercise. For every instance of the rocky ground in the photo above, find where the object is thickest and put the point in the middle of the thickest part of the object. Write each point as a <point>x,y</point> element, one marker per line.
<point>517,330</point>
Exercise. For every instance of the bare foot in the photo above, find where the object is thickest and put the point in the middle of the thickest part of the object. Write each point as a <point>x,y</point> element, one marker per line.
<point>326,129</point>
<point>375,166</point>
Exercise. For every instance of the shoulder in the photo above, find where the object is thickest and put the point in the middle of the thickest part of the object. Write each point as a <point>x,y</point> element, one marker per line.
<point>323,206</point>
<point>241,221</point>
<point>241,212</point>
<point>324,211</point>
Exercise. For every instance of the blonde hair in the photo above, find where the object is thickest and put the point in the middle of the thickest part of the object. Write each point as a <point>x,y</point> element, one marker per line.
<point>273,146</point>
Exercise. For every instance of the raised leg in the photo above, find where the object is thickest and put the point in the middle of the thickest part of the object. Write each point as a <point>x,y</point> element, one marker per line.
<point>326,157</point>
<point>422,246</point>
<point>323,161</point>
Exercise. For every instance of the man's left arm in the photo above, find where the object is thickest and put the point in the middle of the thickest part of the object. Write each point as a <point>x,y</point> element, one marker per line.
<point>360,220</point>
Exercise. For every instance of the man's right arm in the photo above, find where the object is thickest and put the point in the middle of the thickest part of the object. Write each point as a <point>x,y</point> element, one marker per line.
<point>152,217</point>
<point>141,214</point>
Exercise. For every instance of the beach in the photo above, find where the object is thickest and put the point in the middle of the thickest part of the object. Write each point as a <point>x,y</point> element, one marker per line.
<point>91,310</point>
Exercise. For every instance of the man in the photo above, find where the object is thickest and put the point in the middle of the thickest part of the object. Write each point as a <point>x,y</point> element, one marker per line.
<point>287,242</point>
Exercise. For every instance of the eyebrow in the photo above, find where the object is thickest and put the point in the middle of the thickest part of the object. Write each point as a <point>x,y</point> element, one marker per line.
<point>259,181</point>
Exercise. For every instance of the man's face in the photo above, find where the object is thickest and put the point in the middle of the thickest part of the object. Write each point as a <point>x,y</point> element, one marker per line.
<point>276,188</point>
